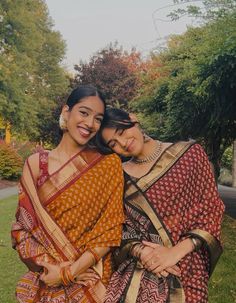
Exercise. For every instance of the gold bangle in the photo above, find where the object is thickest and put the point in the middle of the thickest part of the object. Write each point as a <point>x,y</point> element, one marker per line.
<point>197,243</point>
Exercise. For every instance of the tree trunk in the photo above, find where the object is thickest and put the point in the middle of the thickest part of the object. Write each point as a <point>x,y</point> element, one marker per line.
<point>234,165</point>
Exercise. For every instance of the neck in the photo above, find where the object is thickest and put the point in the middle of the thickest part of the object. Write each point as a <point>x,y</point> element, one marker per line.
<point>68,146</point>
<point>148,148</point>
<point>149,154</point>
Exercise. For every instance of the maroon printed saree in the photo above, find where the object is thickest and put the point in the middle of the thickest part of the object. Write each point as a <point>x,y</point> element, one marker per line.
<point>176,199</point>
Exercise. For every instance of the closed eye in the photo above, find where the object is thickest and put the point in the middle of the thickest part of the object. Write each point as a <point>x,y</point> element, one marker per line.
<point>112,144</point>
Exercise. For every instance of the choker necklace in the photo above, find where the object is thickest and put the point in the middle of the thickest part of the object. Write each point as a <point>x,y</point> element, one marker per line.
<point>151,157</point>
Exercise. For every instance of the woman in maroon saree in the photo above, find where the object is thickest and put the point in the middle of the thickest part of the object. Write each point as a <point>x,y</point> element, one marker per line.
<point>173,217</point>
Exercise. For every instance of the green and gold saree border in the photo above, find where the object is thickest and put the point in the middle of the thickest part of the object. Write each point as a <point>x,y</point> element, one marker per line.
<point>134,195</point>
<point>169,157</point>
<point>211,243</point>
<point>177,293</point>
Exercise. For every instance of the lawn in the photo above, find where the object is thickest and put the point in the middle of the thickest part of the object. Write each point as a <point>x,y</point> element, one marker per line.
<point>222,285</point>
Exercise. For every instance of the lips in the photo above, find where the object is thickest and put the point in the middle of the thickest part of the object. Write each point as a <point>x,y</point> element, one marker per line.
<point>130,146</point>
<point>84,132</point>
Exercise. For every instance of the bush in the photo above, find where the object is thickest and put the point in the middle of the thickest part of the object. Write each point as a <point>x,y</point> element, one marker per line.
<point>27,148</point>
<point>227,158</point>
<point>10,163</point>
<point>225,177</point>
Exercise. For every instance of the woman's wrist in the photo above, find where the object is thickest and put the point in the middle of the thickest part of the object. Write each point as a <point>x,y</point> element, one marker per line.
<point>183,248</point>
<point>197,243</point>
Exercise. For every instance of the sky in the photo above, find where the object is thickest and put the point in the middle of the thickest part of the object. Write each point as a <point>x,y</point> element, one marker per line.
<point>87,26</point>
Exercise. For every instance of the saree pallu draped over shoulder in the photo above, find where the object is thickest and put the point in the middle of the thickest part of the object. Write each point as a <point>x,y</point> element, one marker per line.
<point>177,199</point>
<point>76,208</point>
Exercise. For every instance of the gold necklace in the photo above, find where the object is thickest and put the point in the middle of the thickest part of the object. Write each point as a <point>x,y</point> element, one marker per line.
<point>150,157</point>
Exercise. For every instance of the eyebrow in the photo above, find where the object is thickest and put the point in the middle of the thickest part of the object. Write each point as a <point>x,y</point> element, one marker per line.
<point>90,109</point>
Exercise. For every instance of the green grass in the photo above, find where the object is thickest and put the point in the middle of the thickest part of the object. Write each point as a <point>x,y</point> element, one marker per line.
<point>11,268</point>
<point>223,281</point>
<point>222,285</point>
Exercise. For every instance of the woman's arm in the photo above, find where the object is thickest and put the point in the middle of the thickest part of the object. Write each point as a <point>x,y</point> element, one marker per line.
<point>162,257</point>
<point>52,275</point>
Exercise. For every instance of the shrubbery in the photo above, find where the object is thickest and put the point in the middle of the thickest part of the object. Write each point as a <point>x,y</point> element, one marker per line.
<point>10,163</point>
<point>27,148</point>
<point>227,158</point>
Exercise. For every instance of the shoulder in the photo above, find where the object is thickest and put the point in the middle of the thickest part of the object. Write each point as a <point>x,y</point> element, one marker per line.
<point>33,162</point>
<point>112,160</point>
<point>197,149</point>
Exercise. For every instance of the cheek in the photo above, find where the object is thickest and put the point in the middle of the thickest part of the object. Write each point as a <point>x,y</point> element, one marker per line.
<point>97,126</point>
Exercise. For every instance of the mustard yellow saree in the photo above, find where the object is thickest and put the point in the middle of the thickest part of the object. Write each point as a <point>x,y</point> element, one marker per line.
<point>76,208</point>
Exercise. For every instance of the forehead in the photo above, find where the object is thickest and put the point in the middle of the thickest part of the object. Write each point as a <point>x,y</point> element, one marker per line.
<point>94,103</point>
<point>108,134</point>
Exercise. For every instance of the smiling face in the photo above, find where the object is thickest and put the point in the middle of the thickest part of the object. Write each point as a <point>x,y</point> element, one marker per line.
<point>127,142</point>
<point>84,119</point>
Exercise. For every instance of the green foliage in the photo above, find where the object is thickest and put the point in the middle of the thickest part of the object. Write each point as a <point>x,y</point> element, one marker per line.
<point>196,95</point>
<point>30,74</point>
<point>225,177</point>
<point>10,163</point>
<point>26,149</point>
<point>227,158</point>
<point>205,10</point>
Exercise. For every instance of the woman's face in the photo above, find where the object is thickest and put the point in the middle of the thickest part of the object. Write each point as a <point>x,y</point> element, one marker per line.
<point>126,142</point>
<point>84,119</point>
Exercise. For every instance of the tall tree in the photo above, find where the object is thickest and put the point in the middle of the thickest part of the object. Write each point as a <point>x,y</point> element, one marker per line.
<point>198,93</point>
<point>30,72</point>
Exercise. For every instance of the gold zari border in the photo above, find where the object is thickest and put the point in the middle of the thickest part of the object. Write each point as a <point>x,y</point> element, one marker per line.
<point>134,196</point>
<point>212,244</point>
<point>50,226</point>
<point>167,159</point>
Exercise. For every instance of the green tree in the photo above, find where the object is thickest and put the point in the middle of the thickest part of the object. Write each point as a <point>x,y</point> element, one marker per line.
<point>205,10</point>
<point>30,73</point>
<point>197,96</point>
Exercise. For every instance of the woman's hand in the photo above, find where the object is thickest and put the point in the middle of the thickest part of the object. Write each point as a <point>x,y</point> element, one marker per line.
<point>90,277</point>
<point>51,275</point>
<point>161,259</point>
<point>145,255</point>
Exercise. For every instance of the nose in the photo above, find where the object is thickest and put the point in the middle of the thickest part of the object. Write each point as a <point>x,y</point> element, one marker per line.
<point>89,121</point>
<point>122,142</point>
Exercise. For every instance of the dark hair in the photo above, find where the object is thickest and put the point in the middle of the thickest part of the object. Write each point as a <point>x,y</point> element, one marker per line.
<point>81,92</point>
<point>113,118</point>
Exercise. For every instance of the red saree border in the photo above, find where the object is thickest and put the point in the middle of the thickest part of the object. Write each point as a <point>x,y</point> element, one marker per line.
<point>53,231</point>
<point>60,256</point>
<point>67,175</point>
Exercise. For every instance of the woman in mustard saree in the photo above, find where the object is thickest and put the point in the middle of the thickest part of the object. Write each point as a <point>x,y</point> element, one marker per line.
<point>171,237</point>
<point>70,211</point>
